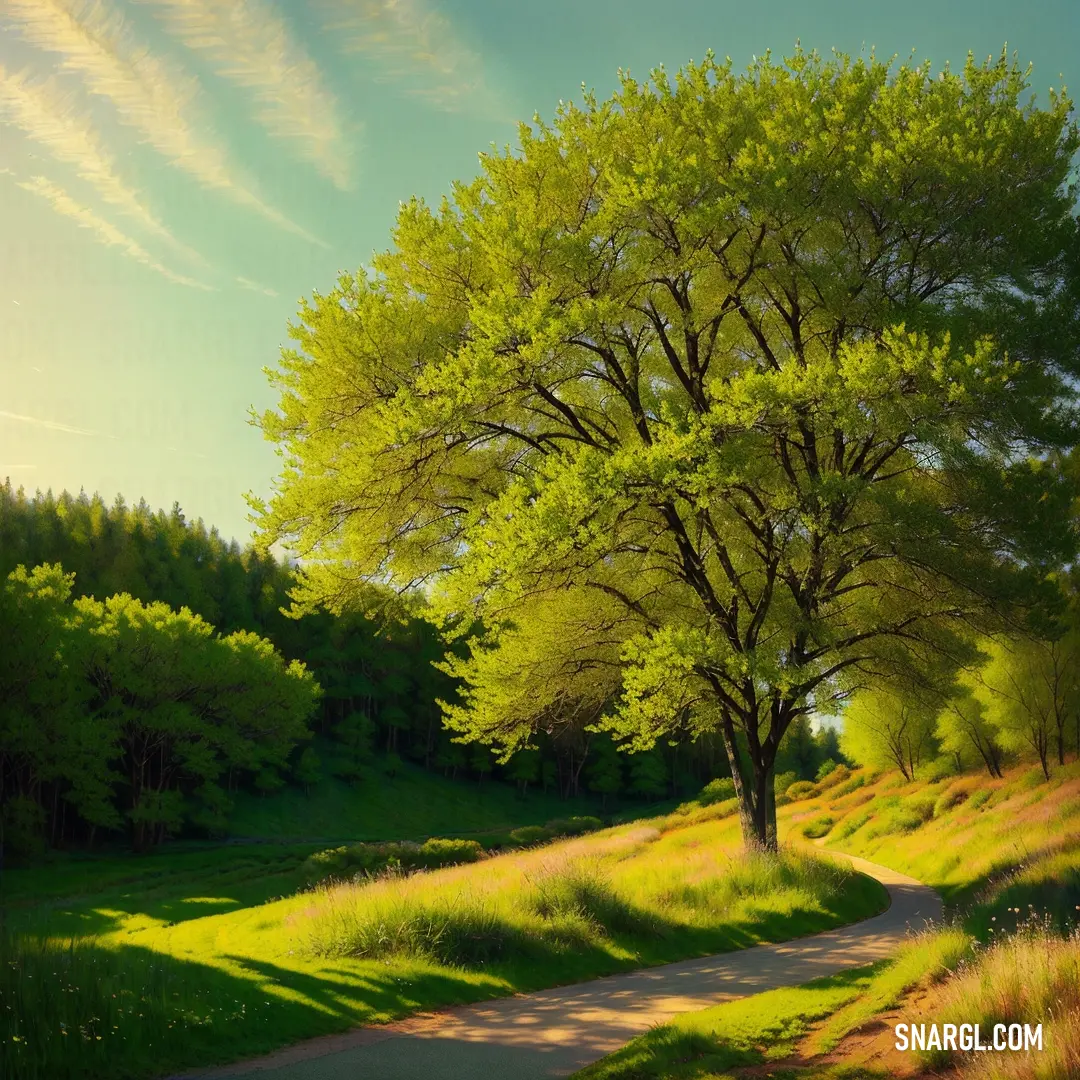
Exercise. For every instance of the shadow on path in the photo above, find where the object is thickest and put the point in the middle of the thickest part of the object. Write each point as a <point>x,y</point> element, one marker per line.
<point>555,1032</point>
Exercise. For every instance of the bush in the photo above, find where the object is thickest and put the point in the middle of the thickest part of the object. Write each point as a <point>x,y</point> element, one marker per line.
<point>715,791</point>
<point>825,768</point>
<point>980,796</point>
<point>439,851</point>
<point>339,863</point>
<point>22,829</point>
<point>781,783</point>
<point>911,815</point>
<point>801,789</point>
<point>573,826</point>
<point>939,769</point>
<point>949,798</point>
<point>851,825</point>
<point>818,827</point>
<point>853,783</point>
<point>530,834</point>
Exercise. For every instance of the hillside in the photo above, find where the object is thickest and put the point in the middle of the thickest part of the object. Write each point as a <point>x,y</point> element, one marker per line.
<point>191,958</point>
<point>413,803</point>
<point>1004,853</point>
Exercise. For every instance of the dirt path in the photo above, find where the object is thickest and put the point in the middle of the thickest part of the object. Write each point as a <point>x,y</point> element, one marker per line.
<point>554,1032</point>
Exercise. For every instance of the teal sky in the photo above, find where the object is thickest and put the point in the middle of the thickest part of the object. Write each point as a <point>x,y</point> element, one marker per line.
<point>175,174</point>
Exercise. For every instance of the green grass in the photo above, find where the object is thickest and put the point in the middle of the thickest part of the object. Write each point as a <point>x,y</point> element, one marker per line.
<point>590,910</point>
<point>152,992</point>
<point>924,960</point>
<point>707,1044</point>
<point>1006,855</point>
<point>411,805</point>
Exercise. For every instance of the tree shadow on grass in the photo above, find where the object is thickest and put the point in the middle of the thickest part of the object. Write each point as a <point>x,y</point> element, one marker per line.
<point>86,1011</point>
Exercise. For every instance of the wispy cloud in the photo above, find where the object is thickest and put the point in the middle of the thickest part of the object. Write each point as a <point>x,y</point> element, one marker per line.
<point>254,286</point>
<point>50,425</point>
<point>248,43</point>
<point>148,93</point>
<point>410,42</point>
<point>105,231</point>
<point>51,116</point>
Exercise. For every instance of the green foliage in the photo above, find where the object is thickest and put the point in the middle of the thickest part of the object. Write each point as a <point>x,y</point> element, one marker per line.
<point>949,799</point>
<point>818,827</point>
<point>649,774</point>
<point>1028,689</point>
<point>890,728</point>
<point>132,711</point>
<point>826,767</point>
<point>940,768</point>
<point>783,781</point>
<point>585,399</point>
<point>801,789</point>
<point>965,730</point>
<point>715,791</point>
<point>577,825</point>
<point>527,835</point>
<point>354,860</point>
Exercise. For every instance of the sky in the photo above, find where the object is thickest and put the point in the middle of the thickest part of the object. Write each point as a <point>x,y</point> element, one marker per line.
<point>176,174</point>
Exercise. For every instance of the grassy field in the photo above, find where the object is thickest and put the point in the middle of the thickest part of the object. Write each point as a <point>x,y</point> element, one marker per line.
<point>412,804</point>
<point>842,1027</point>
<point>198,963</point>
<point>1005,854</point>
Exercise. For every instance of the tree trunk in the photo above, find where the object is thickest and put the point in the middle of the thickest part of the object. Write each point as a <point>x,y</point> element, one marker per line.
<point>757,801</point>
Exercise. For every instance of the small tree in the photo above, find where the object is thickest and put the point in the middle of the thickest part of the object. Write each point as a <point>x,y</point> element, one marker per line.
<point>963,729</point>
<point>1027,690</point>
<point>884,728</point>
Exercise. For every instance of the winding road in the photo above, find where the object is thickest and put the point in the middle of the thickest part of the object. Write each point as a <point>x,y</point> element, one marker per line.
<point>555,1032</point>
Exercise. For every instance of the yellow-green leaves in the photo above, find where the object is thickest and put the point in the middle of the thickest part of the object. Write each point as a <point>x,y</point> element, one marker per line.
<point>757,361</point>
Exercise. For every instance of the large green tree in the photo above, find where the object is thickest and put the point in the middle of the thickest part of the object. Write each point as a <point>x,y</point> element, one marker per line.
<point>722,393</point>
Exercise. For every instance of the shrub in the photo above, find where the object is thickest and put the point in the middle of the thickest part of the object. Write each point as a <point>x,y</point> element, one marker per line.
<point>836,775</point>
<point>801,789</point>
<point>913,814</point>
<point>939,769</point>
<point>980,797</point>
<point>781,783</point>
<point>715,791</point>
<point>22,829</point>
<point>851,825</point>
<point>949,798</point>
<point>818,827</point>
<point>439,851</point>
<point>853,783</point>
<point>530,834</point>
<point>360,859</point>
<point>826,767</point>
<point>573,826</point>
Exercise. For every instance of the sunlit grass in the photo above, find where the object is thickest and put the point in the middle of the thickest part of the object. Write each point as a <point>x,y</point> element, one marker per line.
<point>1030,977</point>
<point>749,1031</point>
<point>195,988</point>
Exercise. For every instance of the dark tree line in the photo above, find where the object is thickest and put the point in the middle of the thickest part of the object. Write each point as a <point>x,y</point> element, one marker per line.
<point>138,656</point>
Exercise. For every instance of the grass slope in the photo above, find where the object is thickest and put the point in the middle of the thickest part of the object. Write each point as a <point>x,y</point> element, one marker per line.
<point>410,805</point>
<point>1005,854</point>
<point>160,988</point>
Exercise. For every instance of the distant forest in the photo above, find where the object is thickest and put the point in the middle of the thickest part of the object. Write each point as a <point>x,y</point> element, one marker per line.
<point>120,712</point>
